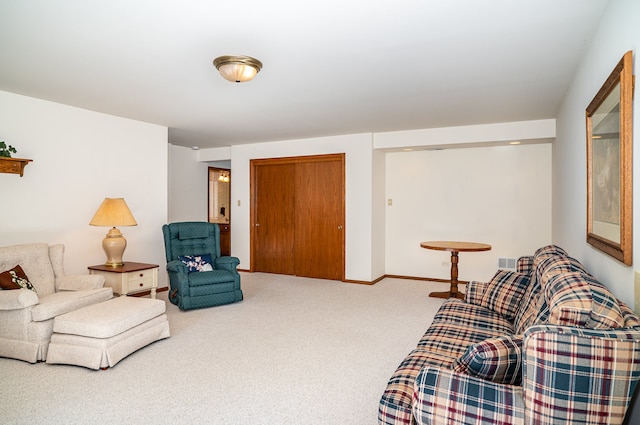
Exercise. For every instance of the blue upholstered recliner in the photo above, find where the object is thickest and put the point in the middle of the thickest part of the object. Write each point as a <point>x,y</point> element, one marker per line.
<point>199,289</point>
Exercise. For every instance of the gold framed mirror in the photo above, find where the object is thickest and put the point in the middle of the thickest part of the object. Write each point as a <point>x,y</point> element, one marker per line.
<point>609,119</point>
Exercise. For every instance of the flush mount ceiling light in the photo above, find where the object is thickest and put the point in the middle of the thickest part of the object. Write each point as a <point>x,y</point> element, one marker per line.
<point>237,69</point>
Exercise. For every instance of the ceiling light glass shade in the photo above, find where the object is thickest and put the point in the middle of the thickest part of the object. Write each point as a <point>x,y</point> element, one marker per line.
<point>237,69</point>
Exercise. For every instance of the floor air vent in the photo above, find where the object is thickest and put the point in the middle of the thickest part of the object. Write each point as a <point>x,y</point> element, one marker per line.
<point>507,263</point>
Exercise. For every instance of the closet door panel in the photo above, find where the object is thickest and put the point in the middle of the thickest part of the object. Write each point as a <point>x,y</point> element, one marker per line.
<point>319,219</point>
<point>274,219</point>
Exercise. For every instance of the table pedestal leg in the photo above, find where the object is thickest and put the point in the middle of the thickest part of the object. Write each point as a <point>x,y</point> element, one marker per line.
<point>453,290</point>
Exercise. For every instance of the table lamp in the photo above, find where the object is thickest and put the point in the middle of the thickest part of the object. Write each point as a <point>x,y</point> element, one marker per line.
<point>113,212</point>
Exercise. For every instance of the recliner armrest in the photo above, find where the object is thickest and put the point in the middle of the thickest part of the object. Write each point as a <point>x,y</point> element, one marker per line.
<point>227,263</point>
<point>177,267</point>
<point>79,282</point>
<point>17,299</point>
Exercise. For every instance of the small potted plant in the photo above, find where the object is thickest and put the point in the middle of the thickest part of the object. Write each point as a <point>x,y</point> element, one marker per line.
<point>8,164</point>
<point>6,151</point>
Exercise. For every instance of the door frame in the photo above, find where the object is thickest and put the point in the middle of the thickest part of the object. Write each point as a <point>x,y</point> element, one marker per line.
<point>254,163</point>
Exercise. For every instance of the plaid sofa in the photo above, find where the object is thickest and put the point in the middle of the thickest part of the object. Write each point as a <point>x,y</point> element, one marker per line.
<point>545,344</point>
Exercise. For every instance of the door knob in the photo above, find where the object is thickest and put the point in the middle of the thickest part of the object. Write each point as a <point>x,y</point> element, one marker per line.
<point>340,227</point>
<point>257,224</point>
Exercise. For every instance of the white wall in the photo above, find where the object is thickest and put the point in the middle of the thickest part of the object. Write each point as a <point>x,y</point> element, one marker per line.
<point>79,158</point>
<point>381,240</point>
<point>378,210</point>
<point>188,185</point>
<point>495,195</point>
<point>468,135</point>
<point>359,197</point>
<point>618,32</point>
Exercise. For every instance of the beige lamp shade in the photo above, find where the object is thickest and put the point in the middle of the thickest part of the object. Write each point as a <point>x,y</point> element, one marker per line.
<point>113,212</point>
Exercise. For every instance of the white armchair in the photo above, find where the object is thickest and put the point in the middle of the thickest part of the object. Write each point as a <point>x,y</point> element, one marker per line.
<point>26,317</point>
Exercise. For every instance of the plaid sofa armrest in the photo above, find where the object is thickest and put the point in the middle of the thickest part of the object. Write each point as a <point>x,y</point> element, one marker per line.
<point>579,376</point>
<point>444,396</point>
<point>525,264</point>
<point>475,291</point>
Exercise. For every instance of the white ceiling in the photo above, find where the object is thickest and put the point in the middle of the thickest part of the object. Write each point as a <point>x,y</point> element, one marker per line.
<point>330,67</point>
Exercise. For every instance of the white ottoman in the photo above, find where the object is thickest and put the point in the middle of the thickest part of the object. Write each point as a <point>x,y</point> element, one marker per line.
<point>100,335</point>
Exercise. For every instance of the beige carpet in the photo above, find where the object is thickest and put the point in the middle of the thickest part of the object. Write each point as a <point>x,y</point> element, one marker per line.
<point>295,351</point>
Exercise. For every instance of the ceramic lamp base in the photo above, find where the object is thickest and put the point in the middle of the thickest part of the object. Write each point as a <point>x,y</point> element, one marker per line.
<point>114,244</point>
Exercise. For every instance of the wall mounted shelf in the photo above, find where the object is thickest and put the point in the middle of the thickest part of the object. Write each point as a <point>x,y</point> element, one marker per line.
<point>13,165</point>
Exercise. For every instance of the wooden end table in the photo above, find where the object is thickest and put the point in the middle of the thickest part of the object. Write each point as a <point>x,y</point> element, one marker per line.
<point>454,248</point>
<point>129,278</point>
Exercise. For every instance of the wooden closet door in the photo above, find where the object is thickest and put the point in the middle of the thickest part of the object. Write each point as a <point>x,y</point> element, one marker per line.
<point>298,216</point>
<point>273,242</point>
<point>319,224</point>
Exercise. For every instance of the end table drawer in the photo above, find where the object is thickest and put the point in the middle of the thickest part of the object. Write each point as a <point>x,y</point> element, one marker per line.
<point>138,281</point>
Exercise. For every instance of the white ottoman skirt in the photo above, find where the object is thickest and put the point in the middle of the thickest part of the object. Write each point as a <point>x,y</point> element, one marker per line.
<point>100,335</point>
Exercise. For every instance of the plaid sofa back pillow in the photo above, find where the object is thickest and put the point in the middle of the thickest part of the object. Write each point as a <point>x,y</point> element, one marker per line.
<point>528,310</point>
<point>550,267</point>
<point>580,300</point>
<point>504,293</point>
<point>495,359</point>
<point>548,262</point>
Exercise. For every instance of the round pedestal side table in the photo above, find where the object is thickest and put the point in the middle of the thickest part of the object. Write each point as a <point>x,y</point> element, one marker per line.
<point>454,248</point>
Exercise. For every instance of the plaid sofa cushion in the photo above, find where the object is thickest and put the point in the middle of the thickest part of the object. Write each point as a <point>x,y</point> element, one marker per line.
<point>504,293</point>
<point>579,300</point>
<point>495,359</point>
<point>458,325</point>
<point>472,316</point>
